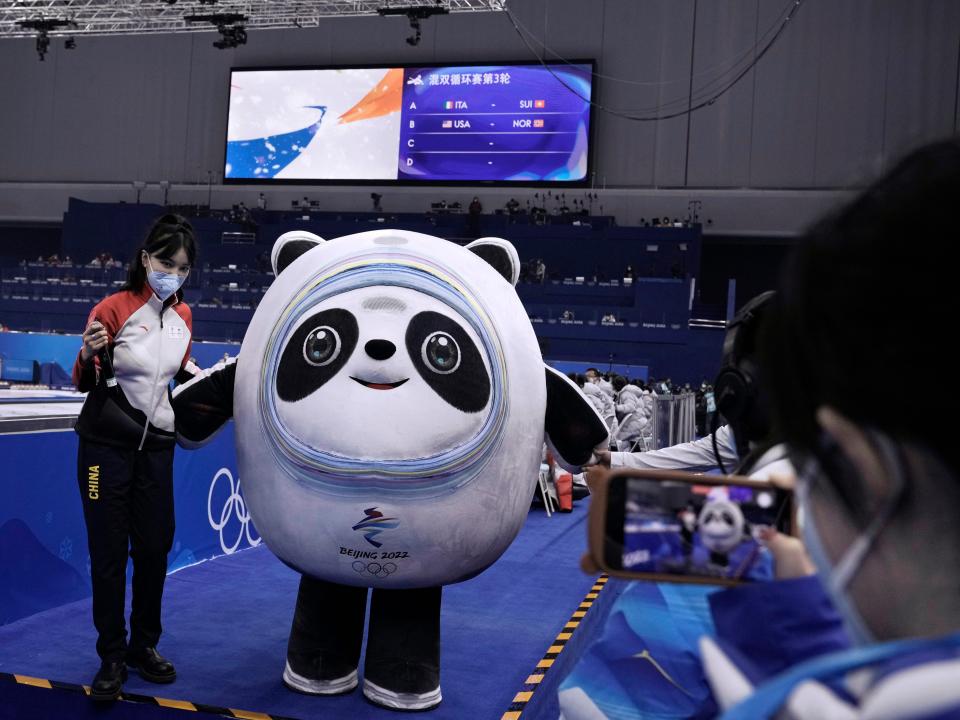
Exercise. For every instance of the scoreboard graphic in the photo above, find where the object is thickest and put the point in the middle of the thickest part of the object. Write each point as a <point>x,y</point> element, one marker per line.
<point>476,123</point>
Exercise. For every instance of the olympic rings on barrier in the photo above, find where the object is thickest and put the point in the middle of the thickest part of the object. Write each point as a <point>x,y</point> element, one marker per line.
<point>374,568</point>
<point>234,505</point>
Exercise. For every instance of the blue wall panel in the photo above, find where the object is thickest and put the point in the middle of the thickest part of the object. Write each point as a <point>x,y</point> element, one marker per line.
<point>44,560</point>
<point>63,349</point>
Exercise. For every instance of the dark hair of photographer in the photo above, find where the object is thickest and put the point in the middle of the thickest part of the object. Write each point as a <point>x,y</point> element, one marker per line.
<point>863,296</point>
<point>852,310</point>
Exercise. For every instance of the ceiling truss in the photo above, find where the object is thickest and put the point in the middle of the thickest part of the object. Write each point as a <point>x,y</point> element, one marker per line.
<point>111,17</point>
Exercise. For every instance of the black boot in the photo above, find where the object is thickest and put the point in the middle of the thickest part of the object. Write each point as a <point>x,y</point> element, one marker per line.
<point>324,647</point>
<point>402,668</point>
<point>108,682</point>
<point>151,665</point>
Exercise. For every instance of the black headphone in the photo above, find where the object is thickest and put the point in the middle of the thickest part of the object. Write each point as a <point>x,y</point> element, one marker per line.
<point>735,388</point>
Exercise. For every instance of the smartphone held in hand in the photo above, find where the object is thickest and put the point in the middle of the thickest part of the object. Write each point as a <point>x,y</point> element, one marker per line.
<point>681,527</point>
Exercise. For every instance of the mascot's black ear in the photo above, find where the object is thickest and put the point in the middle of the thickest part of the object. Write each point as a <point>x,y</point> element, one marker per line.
<point>573,426</point>
<point>499,254</point>
<point>290,246</point>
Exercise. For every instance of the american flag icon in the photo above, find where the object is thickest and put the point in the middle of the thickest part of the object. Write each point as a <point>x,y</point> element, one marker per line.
<point>447,123</point>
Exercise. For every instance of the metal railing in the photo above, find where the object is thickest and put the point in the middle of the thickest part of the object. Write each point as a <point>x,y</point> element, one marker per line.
<point>673,420</point>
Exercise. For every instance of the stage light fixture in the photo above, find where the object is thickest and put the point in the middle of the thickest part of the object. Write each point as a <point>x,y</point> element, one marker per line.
<point>43,44</point>
<point>415,26</point>
<point>230,26</point>
<point>415,13</point>
<point>44,26</point>
<point>231,36</point>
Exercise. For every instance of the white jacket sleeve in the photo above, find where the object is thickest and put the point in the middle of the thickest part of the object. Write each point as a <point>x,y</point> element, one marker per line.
<point>695,456</point>
<point>626,403</point>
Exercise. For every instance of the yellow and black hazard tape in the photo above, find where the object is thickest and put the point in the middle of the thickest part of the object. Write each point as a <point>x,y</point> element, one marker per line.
<point>522,698</point>
<point>144,699</point>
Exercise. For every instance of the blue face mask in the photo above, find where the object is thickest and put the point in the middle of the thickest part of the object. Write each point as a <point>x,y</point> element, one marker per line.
<point>164,284</point>
<point>837,578</point>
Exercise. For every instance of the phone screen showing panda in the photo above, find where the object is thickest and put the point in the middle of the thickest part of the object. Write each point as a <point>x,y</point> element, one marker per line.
<point>706,531</point>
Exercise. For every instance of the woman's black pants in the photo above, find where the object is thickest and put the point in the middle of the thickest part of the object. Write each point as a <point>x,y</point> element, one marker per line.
<point>128,508</point>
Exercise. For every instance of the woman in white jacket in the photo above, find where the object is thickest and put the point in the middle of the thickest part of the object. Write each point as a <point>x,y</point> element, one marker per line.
<point>633,413</point>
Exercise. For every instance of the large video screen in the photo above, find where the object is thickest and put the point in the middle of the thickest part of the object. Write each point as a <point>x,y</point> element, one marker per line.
<point>464,123</point>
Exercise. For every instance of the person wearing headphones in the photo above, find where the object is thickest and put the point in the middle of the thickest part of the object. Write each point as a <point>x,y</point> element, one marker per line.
<point>136,341</point>
<point>743,445</point>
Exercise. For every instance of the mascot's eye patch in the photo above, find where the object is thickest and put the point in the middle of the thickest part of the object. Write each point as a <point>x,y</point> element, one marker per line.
<point>448,361</point>
<point>315,353</point>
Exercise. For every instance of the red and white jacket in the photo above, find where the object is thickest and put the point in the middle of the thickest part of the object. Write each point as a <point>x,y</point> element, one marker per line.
<point>149,345</point>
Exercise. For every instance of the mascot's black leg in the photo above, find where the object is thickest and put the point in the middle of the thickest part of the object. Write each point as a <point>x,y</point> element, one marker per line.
<point>324,647</point>
<point>402,668</point>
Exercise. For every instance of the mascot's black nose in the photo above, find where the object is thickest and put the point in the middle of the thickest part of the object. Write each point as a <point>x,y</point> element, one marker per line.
<point>380,349</point>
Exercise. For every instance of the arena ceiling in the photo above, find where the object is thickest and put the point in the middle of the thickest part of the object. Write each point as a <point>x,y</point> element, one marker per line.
<point>27,18</point>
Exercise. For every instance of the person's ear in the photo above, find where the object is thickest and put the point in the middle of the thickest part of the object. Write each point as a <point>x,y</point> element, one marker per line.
<point>855,445</point>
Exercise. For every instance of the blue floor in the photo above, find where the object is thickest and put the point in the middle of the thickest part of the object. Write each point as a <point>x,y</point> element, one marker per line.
<point>226,624</point>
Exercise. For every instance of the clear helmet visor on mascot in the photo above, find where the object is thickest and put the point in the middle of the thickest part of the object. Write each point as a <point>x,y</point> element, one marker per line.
<point>390,406</point>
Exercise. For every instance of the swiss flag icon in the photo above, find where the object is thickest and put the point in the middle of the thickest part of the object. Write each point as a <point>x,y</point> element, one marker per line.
<point>539,103</point>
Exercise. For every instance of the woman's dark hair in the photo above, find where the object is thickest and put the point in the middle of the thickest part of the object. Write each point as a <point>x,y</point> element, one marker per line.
<point>168,234</point>
<point>869,292</point>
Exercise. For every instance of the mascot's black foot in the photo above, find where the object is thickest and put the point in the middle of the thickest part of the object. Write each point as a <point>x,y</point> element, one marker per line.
<point>402,686</point>
<point>318,678</point>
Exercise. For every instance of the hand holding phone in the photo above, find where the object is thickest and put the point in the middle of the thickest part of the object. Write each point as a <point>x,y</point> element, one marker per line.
<point>95,338</point>
<point>96,341</point>
<point>680,527</point>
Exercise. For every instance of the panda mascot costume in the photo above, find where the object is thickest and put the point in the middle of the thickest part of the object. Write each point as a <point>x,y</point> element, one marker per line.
<point>390,406</point>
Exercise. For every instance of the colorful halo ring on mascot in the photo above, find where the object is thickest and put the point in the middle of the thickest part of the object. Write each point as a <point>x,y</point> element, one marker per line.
<point>410,478</point>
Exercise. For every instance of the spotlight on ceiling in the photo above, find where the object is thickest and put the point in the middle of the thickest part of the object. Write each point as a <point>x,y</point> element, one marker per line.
<point>415,26</point>
<point>231,36</point>
<point>44,26</point>
<point>43,44</point>
<point>230,26</point>
<point>415,13</point>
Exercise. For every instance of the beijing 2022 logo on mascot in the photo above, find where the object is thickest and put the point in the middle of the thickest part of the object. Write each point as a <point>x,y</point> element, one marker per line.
<point>390,406</point>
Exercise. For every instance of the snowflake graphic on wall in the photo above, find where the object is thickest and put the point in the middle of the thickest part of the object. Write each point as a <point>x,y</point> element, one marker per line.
<point>66,548</point>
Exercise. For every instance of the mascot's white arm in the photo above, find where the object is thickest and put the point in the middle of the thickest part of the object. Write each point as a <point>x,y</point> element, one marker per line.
<point>573,427</point>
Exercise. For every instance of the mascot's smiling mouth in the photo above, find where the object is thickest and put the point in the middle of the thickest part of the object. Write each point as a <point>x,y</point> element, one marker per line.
<point>380,386</point>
